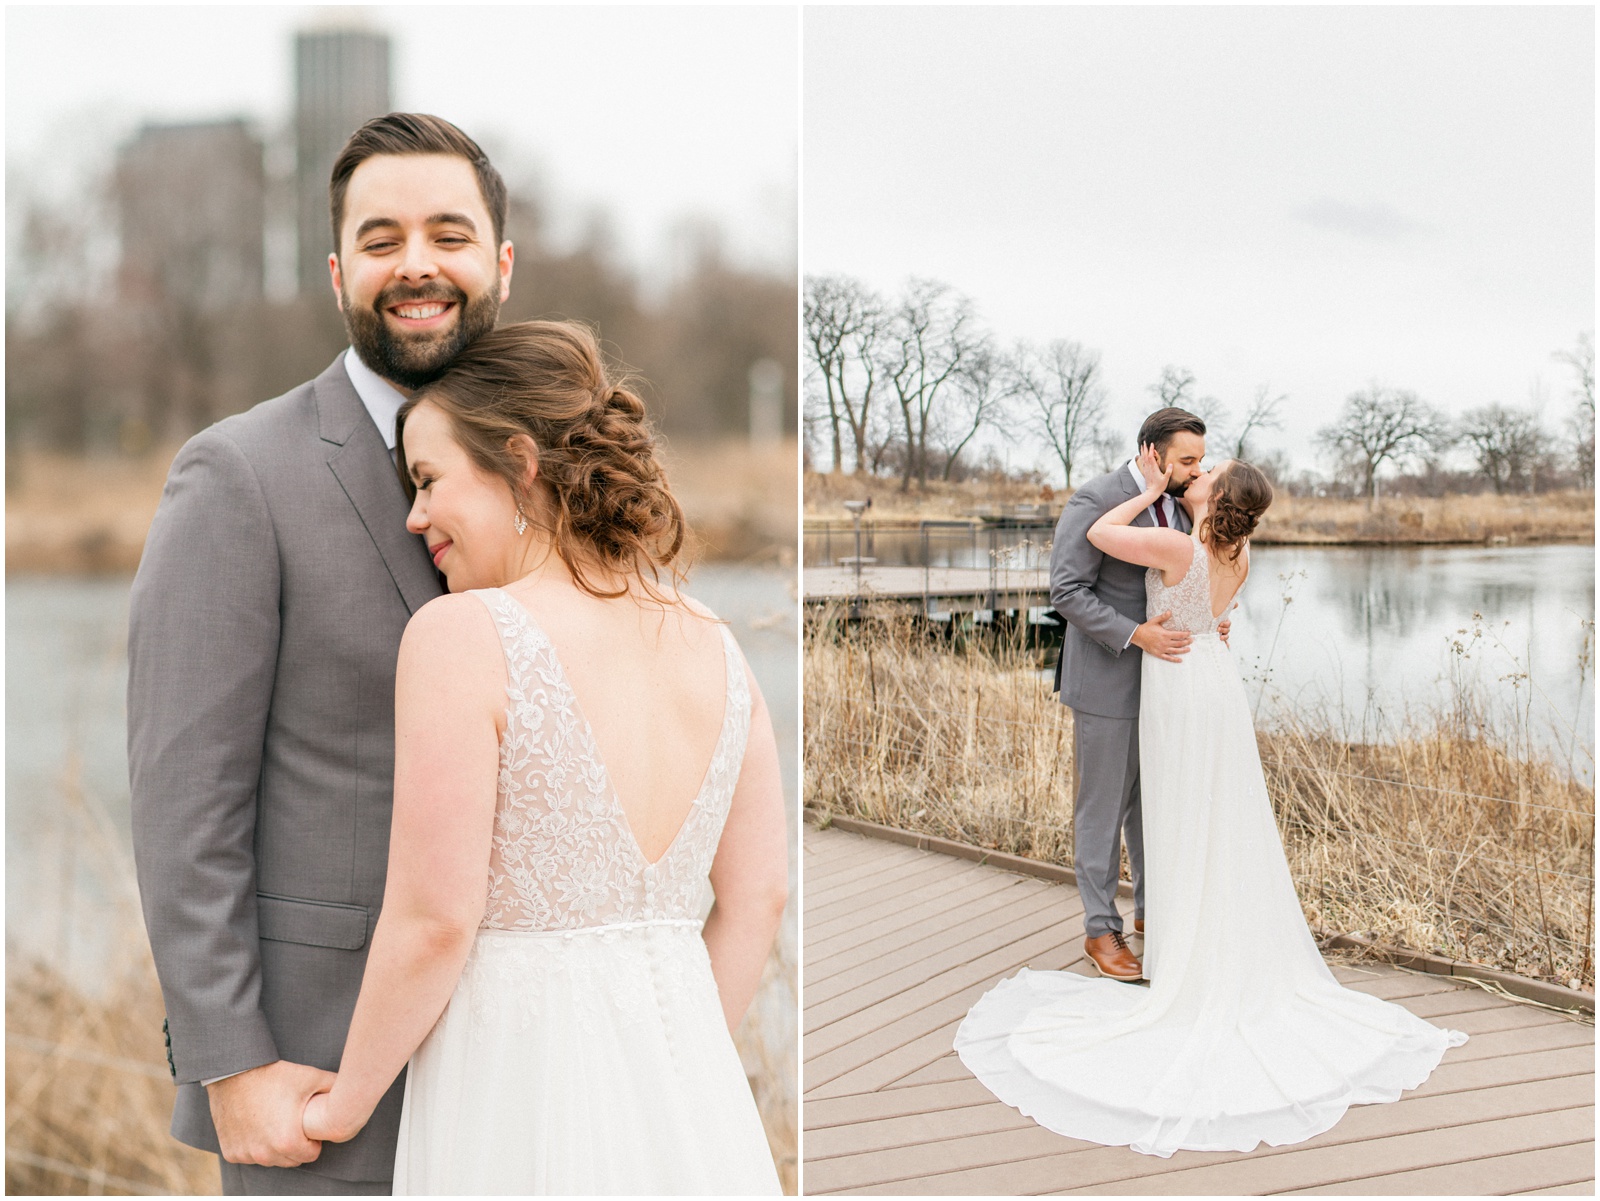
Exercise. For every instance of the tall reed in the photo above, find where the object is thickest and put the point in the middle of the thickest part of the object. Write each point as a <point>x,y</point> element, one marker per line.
<point>1442,837</point>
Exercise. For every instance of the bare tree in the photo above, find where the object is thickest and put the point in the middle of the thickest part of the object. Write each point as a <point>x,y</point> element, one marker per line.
<point>1507,444</point>
<point>980,388</point>
<point>1176,389</point>
<point>835,310</point>
<point>1064,399</point>
<point>1262,414</point>
<point>930,334</point>
<point>1384,425</point>
<point>1581,360</point>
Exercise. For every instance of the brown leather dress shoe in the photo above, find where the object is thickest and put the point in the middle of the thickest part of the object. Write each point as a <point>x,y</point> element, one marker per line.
<point>1111,957</point>
<point>1138,926</point>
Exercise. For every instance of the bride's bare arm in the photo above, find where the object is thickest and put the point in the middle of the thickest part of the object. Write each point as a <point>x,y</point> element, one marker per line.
<point>446,763</point>
<point>1115,535</point>
<point>750,874</point>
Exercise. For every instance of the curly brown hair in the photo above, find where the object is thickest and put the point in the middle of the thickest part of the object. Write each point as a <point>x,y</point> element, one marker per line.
<point>598,468</point>
<point>1239,497</point>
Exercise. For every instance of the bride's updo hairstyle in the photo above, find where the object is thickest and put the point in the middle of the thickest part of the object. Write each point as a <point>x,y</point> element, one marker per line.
<point>1239,497</point>
<point>606,497</point>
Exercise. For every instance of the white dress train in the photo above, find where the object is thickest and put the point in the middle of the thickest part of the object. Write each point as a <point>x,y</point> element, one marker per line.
<point>584,1050</point>
<point>1243,1035</point>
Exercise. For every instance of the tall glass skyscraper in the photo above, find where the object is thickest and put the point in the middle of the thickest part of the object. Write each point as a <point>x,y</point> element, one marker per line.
<point>341,80</point>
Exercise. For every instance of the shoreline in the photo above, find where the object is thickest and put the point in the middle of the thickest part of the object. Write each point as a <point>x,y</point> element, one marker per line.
<point>1549,518</point>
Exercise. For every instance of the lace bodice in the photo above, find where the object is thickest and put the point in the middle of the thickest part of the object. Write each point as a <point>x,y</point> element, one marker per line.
<point>1189,599</point>
<point>562,855</point>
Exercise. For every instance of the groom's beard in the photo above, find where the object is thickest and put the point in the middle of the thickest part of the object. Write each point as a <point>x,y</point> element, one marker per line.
<point>414,360</point>
<point>1175,489</point>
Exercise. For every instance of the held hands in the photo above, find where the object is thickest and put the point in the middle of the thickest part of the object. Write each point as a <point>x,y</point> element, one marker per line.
<point>257,1114</point>
<point>323,1121</point>
<point>1156,477</point>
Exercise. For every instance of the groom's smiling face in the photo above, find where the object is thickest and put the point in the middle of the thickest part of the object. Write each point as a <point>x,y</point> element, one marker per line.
<point>419,275</point>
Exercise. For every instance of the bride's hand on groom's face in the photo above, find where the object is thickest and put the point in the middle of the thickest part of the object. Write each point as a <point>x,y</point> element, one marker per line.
<point>1155,475</point>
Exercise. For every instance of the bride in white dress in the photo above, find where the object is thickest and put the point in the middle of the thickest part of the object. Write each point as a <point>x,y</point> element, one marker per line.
<point>582,762</point>
<point>1243,1036</point>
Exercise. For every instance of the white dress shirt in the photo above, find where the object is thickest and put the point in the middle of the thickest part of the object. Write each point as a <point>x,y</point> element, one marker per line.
<point>1169,506</point>
<point>381,398</point>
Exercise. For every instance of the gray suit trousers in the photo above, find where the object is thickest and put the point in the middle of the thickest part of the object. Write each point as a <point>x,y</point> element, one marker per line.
<point>1105,810</point>
<point>252,1180</point>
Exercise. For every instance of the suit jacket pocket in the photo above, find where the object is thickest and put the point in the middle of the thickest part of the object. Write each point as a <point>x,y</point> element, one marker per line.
<point>312,923</point>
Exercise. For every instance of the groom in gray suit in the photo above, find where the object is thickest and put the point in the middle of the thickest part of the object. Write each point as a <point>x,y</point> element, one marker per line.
<point>265,624</point>
<point>1102,601</point>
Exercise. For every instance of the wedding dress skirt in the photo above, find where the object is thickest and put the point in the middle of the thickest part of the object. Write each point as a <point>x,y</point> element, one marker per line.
<point>1243,1035</point>
<point>593,1061</point>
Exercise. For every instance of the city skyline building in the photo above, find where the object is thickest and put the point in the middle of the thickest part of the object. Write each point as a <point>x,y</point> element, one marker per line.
<point>342,78</point>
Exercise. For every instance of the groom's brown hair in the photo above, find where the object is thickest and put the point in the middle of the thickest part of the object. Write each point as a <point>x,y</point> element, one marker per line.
<point>1160,427</point>
<point>415,133</point>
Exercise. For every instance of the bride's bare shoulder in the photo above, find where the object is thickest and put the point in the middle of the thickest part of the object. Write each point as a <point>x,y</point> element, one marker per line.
<point>456,628</point>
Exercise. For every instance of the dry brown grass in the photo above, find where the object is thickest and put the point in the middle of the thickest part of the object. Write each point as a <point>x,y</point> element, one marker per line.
<point>88,1097</point>
<point>71,514</point>
<point>1548,517</point>
<point>1443,841</point>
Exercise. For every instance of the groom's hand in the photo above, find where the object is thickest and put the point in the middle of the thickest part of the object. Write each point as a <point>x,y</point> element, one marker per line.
<point>257,1114</point>
<point>1153,638</point>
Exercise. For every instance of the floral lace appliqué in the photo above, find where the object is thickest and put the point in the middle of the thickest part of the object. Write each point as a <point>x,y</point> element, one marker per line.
<point>562,856</point>
<point>1189,599</point>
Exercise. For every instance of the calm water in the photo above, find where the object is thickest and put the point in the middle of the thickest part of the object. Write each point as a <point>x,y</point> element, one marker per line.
<point>69,889</point>
<point>1369,631</point>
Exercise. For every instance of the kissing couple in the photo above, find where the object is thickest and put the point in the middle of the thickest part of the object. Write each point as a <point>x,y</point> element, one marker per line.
<point>433,761</point>
<point>1243,1035</point>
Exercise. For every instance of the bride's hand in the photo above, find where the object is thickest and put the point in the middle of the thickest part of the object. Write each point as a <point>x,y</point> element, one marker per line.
<point>1156,477</point>
<point>322,1123</point>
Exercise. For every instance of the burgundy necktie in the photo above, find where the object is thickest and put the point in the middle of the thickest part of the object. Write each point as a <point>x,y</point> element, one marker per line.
<point>1161,517</point>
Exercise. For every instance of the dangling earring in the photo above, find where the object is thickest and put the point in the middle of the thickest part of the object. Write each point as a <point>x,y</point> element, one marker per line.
<point>520,521</point>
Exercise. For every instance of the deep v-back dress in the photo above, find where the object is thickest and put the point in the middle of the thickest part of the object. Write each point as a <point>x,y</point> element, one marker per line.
<point>1243,1036</point>
<point>584,1049</point>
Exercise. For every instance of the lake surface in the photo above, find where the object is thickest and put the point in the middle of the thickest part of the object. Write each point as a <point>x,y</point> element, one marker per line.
<point>1368,635</point>
<point>69,888</point>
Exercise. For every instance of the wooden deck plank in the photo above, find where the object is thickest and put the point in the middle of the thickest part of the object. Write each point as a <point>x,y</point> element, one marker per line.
<point>889,1109</point>
<point>908,909</point>
<point>893,974</point>
<point>1449,1077</point>
<point>931,1004</point>
<point>919,925</point>
<point>1118,1169</point>
<point>972,924</point>
<point>899,883</point>
<point>1562,1168</point>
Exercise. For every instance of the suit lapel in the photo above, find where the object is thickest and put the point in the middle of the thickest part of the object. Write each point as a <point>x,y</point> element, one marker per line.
<point>1129,491</point>
<point>360,462</point>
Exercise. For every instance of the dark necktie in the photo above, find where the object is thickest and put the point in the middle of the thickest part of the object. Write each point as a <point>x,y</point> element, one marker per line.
<point>1161,516</point>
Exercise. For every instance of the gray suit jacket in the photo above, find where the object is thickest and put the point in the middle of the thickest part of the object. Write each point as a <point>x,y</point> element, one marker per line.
<point>265,624</point>
<point>1101,599</point>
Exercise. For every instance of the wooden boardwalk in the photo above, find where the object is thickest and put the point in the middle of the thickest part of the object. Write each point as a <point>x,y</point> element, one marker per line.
<point>898,944</point>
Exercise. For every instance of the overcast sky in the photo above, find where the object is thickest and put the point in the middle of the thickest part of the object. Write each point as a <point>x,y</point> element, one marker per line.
<point>1307,197</point>
<point>651,114</point>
